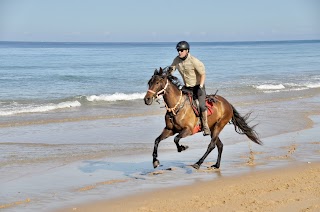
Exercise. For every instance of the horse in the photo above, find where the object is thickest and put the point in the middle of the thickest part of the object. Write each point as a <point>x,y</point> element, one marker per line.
<point>180,117</point>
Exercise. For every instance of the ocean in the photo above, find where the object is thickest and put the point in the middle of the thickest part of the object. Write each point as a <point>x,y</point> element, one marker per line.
<point>38,78</point>
<point>72,114</point>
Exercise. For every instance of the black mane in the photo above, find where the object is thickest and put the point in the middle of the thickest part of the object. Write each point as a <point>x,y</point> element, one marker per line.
<point>174,81</point>
<point>165,72</point>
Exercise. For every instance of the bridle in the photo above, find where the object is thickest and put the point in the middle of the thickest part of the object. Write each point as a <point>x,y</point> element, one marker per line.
<point>162,92</point>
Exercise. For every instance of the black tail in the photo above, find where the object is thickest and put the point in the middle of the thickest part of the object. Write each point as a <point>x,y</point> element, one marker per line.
<point>241,126</point>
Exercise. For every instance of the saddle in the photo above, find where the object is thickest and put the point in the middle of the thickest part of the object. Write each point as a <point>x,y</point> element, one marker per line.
<point>194,102</point>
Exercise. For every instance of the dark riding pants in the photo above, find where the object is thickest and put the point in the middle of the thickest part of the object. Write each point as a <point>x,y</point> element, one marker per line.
<point>200,94</point>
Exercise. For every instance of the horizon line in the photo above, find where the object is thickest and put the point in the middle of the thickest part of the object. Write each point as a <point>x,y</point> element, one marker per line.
<point>236,41</point>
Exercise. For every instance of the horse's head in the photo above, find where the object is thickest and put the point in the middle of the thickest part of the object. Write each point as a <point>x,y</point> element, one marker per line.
<point>157,85</point>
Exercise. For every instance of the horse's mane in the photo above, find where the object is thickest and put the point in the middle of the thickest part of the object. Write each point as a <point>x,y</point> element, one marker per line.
<point>174,80</point>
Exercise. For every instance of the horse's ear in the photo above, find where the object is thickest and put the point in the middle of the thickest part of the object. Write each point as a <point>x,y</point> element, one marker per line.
<point>161,71</point>
<point>155,72</point>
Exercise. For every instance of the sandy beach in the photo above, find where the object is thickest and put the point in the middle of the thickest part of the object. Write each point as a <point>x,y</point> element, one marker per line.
<point>294,188</point>
<point>282,175</point>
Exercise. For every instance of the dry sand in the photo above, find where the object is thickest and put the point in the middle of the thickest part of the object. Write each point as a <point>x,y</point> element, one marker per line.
<point>286,189</point>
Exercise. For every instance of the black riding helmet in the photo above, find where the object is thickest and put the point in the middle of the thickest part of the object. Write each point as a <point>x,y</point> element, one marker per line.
<point>182,45</point>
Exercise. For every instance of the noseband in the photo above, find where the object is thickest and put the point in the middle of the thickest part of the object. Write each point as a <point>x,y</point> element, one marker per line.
<point>161,92</point>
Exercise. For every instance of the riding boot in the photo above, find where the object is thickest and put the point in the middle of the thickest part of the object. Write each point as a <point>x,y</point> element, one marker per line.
<point>204,122</point>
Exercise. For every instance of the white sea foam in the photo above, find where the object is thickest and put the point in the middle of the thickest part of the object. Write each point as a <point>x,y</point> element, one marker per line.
<point>38,109</point>
<point>115,97</point>
<point>313,85</point>
<point>285,90</point>
<point>271,91</point>
<point>270,87</point>
<point>299,89</point>
<point>291,84</point>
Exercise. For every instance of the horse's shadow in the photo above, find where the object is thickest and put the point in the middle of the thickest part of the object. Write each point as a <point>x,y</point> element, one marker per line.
<point>134,170</point>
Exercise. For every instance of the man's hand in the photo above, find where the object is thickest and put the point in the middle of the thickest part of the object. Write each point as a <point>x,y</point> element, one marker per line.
<point>170,70</point>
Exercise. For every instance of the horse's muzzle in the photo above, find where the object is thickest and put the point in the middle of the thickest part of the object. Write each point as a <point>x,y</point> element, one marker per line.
<point>148,100</point>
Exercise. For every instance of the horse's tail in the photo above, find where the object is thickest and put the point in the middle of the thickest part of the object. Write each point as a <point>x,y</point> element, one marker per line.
<point>241,126</point>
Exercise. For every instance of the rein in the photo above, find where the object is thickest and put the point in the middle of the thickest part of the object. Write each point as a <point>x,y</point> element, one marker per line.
<point>174,108</point>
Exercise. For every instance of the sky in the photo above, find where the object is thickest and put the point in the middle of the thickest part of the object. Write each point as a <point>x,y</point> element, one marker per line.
<point>159,21</point>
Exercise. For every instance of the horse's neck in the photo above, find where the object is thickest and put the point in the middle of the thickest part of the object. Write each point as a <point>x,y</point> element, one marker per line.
<point>172,95</point>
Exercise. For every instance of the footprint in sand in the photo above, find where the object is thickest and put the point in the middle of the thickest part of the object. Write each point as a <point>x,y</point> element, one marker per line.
<point>291,149</point>
<point>9,205</point>
<point>161,171</point>
<point>251,158</point>
<point>109,182</point>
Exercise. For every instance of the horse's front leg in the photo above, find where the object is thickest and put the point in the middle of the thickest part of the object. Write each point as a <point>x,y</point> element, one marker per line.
<point>165,134</point>
<point>184,133</point>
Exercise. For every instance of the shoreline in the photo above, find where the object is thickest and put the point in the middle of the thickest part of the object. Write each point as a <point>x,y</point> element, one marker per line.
<point>291,188</point>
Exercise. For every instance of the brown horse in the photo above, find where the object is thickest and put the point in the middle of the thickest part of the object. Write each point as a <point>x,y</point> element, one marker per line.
<point>180,117</point>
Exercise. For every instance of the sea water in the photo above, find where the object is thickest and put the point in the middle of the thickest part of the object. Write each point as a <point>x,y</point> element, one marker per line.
<point>38,78</point>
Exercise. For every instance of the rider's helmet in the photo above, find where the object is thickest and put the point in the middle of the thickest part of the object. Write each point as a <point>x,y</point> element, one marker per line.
<point>182,45</point>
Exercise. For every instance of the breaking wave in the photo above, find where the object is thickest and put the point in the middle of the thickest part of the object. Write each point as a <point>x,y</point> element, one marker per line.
<point>15,109</point>
<point>270,87</point>
<point>115,97</point>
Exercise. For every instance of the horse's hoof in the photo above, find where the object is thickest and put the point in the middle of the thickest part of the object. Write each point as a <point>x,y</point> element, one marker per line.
<point>182,148</point>
<point>215,166</point>
<point>196,166</point>
<point>156,163</point>
<point>206,134</point>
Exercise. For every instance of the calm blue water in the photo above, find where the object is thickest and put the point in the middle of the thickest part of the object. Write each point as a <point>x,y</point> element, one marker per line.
<point>42,77</point>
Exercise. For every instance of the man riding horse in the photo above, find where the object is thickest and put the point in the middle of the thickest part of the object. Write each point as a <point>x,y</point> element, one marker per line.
<point>193,74</point>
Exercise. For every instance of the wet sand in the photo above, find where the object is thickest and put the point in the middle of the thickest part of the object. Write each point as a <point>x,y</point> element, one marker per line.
<point>293,188</point>
<point>282,175</point>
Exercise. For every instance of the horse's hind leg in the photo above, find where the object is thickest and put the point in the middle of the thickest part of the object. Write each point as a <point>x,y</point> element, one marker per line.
<point>214,141</point>
<point>211,146</point>
<point>220,149</point>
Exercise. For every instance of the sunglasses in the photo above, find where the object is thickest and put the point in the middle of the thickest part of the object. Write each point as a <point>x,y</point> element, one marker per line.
<point>180,50</point>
